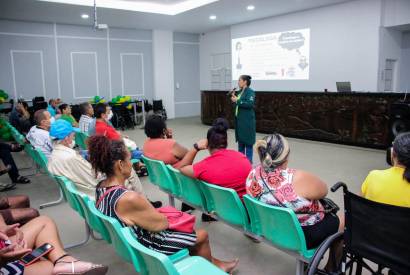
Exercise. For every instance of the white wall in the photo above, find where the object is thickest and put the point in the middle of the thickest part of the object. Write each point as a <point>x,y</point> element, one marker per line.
<point>163,63</point>
<point>405,64</point>
<point>211,43</point>
<point>396,12</point>
<point>344,45</point>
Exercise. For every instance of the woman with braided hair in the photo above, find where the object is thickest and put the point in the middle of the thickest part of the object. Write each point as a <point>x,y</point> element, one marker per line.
<point>272,182</point>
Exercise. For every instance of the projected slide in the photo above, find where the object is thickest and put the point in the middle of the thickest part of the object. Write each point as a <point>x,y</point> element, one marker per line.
<point>273,56</point>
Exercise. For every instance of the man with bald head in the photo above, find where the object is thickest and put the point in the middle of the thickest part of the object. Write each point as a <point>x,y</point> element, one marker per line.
<point>39,135</point>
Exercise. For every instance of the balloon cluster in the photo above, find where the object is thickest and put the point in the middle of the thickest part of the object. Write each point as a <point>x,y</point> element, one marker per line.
<point>123,100</point>
<point>97,99</point>
<point>3,96</point>
<point>5,131</point>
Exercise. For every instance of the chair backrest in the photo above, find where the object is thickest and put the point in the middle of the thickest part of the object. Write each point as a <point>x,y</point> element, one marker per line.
<point>94,222</point>
<point>41,159</point>
<point>159,175</point>
<point>378,232</point>
<point>81,140</point>
<point>189,189</point>
<point>151,262</point>
<point>121,246</point>
<point>279,225</point>
<point>68,189</point>
<point>226,204</point>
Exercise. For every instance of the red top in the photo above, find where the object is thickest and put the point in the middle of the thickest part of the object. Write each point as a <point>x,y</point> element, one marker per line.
<point>160,149</point>
<point>103,128</point>
<point>226,168</point>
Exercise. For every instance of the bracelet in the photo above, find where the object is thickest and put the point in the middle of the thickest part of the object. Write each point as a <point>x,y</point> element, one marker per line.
<point>196,147</point>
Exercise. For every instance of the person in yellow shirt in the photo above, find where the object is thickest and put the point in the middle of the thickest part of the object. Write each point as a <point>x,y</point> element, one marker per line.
<point>392,186</point>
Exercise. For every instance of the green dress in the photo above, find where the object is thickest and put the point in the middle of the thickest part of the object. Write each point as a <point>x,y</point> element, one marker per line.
<point>245,129</point>
<point>68,118</point>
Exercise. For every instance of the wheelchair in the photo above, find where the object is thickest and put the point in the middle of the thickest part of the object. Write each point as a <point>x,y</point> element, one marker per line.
<point>376,238</point>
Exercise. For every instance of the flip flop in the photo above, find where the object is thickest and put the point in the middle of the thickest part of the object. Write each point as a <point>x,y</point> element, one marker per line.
<point>22,180</point>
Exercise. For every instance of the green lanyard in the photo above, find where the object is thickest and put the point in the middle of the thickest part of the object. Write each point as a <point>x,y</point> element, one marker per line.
<point>237,107</point>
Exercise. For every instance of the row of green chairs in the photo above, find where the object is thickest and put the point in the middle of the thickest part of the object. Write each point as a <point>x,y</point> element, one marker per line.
<point>277,226</point>
<point>144,260</point>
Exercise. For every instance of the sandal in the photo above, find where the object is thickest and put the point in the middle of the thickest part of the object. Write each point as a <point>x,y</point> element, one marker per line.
<point>22,180</point>
<point>95,269</point>
<point>15,147</point>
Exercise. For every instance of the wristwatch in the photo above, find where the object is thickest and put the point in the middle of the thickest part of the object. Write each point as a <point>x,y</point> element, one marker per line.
<point>196,147</point>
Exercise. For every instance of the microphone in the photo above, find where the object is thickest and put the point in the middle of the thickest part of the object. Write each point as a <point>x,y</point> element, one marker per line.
<point>231,91</point>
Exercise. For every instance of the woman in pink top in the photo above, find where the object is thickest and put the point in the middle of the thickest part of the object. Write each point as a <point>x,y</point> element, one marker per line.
<point>160,145</point>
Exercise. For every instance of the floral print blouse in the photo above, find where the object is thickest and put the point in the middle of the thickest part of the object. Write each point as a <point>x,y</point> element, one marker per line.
<point>279,182</point>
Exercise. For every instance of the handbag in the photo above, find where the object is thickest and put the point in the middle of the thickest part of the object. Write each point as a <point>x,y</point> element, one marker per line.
<point>178,220</point>
<point>329,206</point>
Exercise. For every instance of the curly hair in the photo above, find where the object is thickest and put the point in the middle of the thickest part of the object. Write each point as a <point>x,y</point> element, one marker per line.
<point>103,153</point>
<point>155,126</point>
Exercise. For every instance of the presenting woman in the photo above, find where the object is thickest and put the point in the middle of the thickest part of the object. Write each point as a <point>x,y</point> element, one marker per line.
<point>245,116</point>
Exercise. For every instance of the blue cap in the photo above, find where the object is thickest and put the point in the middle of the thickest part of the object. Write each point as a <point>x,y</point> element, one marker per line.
<point>61,129</point>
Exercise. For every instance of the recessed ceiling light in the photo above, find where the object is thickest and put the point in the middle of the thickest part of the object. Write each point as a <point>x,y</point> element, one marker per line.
<point>250,7</point>
<point>85,16</point>
<point>212,17</point>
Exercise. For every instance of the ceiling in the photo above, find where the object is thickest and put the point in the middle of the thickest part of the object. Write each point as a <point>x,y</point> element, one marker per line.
<point>228,12</point>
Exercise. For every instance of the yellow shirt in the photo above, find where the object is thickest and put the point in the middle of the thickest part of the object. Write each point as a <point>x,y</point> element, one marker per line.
<point>387,186</point>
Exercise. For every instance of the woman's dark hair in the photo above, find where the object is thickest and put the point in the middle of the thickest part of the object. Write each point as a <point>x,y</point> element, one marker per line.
<point>246,78</point>
<point>217,135</point>
<point>155,126</point>
<point>100,109</point>
<point>273,151</point>
<point>103,153</point>
<point>401,148</point>
<point>63,106</point>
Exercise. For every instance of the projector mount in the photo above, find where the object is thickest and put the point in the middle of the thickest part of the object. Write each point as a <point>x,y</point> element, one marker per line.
<point>96,25</point>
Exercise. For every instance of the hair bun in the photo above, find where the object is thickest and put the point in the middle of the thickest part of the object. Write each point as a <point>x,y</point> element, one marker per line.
<point>221,125</point>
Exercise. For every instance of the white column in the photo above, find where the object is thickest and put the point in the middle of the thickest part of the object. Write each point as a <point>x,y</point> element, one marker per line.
<point>163,65</point>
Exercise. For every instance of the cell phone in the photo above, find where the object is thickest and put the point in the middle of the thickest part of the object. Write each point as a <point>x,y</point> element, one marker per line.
<point>36,254</point>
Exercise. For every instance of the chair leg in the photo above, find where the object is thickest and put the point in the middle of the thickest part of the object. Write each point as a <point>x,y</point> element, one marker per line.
<point>92,233</point>
<point>171,200</point>
<point>48,204</point>
<point>299,267</point>
<point>83,242</point>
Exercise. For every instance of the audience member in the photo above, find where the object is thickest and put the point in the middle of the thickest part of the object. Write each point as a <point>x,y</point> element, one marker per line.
<point>65,161</point>
<point>7,158</point>
<point>150,227</point>
<point>16,209</point>
<point>160,144</point>
<point>86,118</point>
<point>33,234</point>
<point>272,182</point>
<point>39,135</point>
<point>52,107</point>
<point>20,117</point>
<point>392,186</point>
<point>224,167</point>
<point>65,110</point>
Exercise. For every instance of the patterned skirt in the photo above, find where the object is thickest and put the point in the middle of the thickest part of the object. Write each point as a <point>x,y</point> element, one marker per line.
<point>13,268</point>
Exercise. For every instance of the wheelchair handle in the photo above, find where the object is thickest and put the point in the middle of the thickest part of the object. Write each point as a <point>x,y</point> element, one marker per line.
<point>339,184</point>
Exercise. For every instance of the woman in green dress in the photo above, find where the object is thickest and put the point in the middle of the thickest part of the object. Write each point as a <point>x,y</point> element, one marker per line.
<point>245,132</point>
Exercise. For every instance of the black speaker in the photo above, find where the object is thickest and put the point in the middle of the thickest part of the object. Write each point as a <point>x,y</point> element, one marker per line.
<point>399,118</point>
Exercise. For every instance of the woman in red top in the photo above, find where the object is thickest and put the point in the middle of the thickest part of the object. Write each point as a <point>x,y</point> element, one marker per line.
<point>224,167</point>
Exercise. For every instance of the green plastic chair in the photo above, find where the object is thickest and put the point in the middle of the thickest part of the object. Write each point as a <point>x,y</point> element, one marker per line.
<point>159,175</point>
<point>190,190</point>
<point>281,228</point>
<point>81,140</point>
<point>41,160</point>
<point>226,204</point>
<point>68,189</point>
<point>152,262</point>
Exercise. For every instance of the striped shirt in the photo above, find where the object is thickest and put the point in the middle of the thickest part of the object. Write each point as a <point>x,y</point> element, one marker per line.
<point>85,122</point>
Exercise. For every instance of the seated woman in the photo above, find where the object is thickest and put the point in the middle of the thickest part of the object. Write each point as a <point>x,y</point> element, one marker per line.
<point>160,145</point>
<point>66,114</point>
<point>33,234</point>
<point>392,186</point>
<point>224,167</point>
<point>150,227</point>
<point>272,182</point>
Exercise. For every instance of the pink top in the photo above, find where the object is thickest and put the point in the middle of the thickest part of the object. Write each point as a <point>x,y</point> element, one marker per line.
<point>226,168</point>
<point>160,149</point>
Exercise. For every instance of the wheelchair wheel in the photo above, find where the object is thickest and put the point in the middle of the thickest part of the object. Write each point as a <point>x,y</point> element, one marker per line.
<point>317,258</point>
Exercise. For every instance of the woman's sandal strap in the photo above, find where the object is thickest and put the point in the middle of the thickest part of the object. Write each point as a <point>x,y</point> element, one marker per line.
<point>59,258</point>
